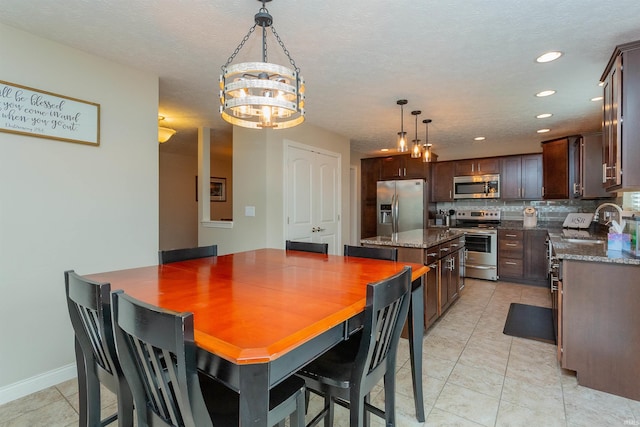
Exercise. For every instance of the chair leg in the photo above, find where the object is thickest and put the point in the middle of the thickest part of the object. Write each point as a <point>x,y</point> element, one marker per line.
<point>328,403</point>
<point>88,390</point>
<point>297,418</point>
<point>390,397</point>
<point>366,418</point>
<point>125,404</point>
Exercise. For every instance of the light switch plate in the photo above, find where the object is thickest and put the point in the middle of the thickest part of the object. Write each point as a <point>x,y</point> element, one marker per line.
<point>249,211</point>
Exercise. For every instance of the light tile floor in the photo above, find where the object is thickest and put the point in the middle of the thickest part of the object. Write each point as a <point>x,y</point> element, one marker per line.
<point>474,375</point>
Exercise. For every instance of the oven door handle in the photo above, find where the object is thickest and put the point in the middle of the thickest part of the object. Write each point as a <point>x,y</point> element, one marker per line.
<point>480,267</point>
<point>470,232</point>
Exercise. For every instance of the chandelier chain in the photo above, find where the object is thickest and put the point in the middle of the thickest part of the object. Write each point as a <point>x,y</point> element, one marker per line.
<point>240,46</point>
<point>286,52</point>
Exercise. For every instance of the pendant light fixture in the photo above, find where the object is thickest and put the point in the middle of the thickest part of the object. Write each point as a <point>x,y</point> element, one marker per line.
<point>402,135</point>
<point>427,144</point>
<point>262,95</point>
<point>416,151</point>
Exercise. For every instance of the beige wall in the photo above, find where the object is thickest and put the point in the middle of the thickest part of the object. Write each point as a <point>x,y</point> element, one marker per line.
<point>178,211</point>
<point>258,178</point>
<point>69,206</point>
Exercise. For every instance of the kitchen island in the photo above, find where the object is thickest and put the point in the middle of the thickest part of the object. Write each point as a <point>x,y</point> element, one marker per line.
<point>595,297</point>
<point>443,251</point>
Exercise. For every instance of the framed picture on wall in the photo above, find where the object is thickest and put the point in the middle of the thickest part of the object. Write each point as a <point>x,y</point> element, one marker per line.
<point>218,189</point>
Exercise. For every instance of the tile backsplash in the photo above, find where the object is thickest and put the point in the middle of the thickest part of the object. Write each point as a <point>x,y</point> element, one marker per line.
<point>548,210</point>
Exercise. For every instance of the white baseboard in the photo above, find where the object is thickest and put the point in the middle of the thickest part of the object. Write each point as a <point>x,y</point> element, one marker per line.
<point>39,382</point>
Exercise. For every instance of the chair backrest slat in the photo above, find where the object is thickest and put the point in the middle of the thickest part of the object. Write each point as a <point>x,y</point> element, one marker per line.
<point>158,355</point>
<point>320,248</point>
<point>89,306</point>
<point>389,254</point>
<point>385,313</point>
<point>175,255</point>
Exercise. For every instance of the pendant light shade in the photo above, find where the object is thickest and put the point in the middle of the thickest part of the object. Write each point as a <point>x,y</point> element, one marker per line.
<point>402,135</point>
<point>427,145</point>
<point>416,151</point>
<point>164,133</point>
<point>262,95</point>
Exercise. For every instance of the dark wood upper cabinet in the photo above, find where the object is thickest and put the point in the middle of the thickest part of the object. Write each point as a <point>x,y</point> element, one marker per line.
<point>442,181</point>
<point>521,177</point>
<point>621,119</point>
<point>477,166</point>
<point>555,161</point>
<point>403,166</point>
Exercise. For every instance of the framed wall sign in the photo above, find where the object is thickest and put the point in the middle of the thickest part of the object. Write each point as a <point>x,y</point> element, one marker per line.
<point>33,112</point>
<point>218,189</point>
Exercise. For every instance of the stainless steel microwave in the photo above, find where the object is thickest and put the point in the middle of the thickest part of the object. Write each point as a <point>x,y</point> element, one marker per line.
<point>476,187</point>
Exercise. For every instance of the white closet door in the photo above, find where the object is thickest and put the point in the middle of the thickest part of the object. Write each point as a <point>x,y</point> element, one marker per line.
<point>313,197</point>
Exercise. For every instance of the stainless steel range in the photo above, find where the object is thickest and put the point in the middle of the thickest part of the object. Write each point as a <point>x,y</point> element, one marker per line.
<point>481,242</point>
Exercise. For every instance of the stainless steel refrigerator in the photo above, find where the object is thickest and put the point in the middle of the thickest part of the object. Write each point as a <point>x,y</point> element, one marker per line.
<point>401,205</point>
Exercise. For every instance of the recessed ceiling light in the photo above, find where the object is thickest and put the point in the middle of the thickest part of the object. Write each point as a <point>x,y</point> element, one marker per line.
<point>545,93</point>
<point>549,56</point>
<point>479,138</point>
<point>543,130</point>
<point>385,149</point>
<point>597,98</point>
<point>543,115</point>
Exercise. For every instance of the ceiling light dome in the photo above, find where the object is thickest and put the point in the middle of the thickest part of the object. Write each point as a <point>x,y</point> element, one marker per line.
<point>549,56</point>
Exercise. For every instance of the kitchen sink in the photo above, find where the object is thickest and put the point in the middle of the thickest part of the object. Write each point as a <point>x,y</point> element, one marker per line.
<point>584,241</point>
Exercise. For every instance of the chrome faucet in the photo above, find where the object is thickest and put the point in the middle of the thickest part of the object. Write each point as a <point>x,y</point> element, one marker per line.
<point>617,226</point>
<point>613,205</point>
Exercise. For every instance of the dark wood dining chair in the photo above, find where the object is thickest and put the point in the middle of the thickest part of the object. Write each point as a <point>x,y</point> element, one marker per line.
<point>389,254</point>
<point>175,255</point>
<point>158,355</point>
<point>320,248</point>
<point>347,373</point>
<point>89,305</point>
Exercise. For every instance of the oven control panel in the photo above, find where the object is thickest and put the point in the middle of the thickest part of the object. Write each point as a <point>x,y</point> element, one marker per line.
<point>478,215</point>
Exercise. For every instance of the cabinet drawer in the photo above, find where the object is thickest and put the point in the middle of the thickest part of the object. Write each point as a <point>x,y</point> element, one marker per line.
<point>510,267</point>
<point>431,255</point>
<point>444,249</point>
<point>511,235</point>
<point>456,244</point>
<point>511,248</point>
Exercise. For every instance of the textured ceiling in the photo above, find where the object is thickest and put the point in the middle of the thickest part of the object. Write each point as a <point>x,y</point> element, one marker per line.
<point>466,64</point>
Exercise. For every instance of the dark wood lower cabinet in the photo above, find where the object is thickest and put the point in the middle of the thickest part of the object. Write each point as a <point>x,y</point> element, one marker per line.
<point>444,280</point>
<point>522,256</point>
<point>601,325</point>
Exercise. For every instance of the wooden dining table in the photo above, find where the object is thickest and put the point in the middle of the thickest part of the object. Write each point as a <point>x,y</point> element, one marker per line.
<point>261,315</point>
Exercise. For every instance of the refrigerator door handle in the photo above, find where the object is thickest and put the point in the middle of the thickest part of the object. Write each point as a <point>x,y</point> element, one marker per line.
<point>394,214</point>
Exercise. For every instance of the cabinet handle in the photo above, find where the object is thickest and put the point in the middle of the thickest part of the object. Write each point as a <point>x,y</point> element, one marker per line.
<point>405,172</point>
<point>511,235</point>
<point>511,244</point>
<point>444,250</point>
<point>432,254</point>
<point>455,245</point>
<point>510,263</point>
<point>434,266</point>
<point>399,172</point>
<point>473,165</point>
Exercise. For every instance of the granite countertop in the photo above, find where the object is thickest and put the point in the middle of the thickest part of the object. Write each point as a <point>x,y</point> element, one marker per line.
<point>585,246</point>
<point>418,238</point>
<point>579,245</point>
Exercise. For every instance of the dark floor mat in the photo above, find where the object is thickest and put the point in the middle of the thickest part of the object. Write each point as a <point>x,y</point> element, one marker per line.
<point>530,321</point>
